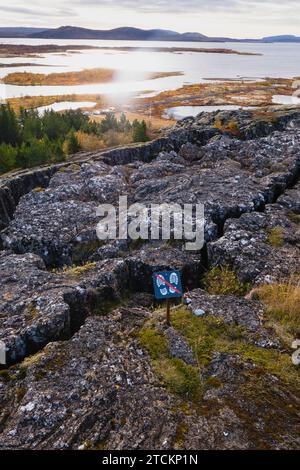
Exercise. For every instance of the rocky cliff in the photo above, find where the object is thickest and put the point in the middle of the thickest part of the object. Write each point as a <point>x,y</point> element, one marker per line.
<point>92,364</point>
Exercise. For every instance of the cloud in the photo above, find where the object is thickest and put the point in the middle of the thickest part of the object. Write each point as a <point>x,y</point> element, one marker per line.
<point>41,10</point>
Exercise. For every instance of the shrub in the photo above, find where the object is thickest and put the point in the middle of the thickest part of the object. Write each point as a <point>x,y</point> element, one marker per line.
<point>224,281</point>
<point>89,142</point>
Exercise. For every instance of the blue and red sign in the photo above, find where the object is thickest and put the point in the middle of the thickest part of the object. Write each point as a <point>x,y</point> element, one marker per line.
<point>167,285</point>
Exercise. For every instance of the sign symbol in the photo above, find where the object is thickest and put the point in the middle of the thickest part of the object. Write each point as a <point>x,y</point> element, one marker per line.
<point>170,288</point>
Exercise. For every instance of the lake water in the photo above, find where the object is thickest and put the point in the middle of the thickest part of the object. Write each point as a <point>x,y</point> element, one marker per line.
<point>277,60</point>
<point>181,112</point>
<point>283,99</point>
<point>64,105</point>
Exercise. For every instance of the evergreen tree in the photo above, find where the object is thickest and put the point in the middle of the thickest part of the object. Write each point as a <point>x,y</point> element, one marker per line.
<point>8,157</point>
<point>9,126</point>
<point>139,131</point>
<point>73,145</point>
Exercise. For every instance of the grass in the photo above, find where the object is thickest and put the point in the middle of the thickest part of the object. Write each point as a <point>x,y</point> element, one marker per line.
<point>209,334</point>
<point>276,237</point>
<point>224,281</point>
<point>181,431</point>
<point>282,301</point>
<point>76,270</point>
<point>205,336</point>
<point>179,378</point>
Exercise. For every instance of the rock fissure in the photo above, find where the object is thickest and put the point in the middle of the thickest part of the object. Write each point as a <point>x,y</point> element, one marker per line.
<point>86,381</point>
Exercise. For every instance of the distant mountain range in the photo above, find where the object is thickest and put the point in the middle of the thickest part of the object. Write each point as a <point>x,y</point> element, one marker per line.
<point>126,33</point>
<point>19,32</point>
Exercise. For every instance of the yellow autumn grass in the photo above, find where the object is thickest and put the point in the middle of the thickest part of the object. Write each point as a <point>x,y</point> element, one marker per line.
<point>282,301</point>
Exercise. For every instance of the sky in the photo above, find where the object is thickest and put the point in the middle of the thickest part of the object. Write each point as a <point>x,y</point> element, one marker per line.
<point>232,18</point>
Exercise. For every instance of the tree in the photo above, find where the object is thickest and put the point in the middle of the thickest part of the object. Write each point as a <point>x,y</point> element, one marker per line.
<point>9,126</point>
<point>54,125</point>
<point>139,131</point>
<point>31,124</point>
<point>38,152</point>
<point>109,123</point>
<point>73,145</point>
<point>8,157</point>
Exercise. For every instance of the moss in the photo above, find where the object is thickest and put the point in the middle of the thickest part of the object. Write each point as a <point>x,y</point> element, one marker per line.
<point>56,363</point>
<point>272,361</point>
<point>156,344</point>
<point>20,393</point>
<point>214,382</point>
<point>31,360</point>
<point>276,237</point>
<point>101,445</point>
<point>181,432</point>
<point>295,218</point>
<point>5,375</point>
<point>202,333</point>
<point>77,270</point>
<point>179,378</point>
<point>208,334</point>
<point>223,281</point>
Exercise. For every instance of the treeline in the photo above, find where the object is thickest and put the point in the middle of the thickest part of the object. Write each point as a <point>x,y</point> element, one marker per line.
<point>30,139</point>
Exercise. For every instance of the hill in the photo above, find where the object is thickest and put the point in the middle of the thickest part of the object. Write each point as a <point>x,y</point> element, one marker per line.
<point>10,32</point>
<point>284,38</point>
<point>124,33</point>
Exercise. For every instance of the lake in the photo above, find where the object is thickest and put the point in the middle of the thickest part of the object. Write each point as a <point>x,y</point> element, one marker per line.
<point>277,60</point>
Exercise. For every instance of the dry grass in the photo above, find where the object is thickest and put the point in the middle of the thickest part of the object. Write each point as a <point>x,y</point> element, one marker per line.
<point>276,237</point>
<point>76,270</point>
<point>231,127</point>
<point>282,301</point>
<point>83,77</point>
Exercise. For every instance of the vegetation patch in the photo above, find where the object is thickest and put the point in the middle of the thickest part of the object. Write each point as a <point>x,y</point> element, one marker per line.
<point>207,335</point>
<point>230,127</point>
<point>82,77</point>
<point>178,377</point>
<point>181,431</point>
<point>223,281</point>
<point>276,237</point>
<point>295,218</point>
<point>28,139</point>
<point>282,301</point>
<point>76,270</point>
